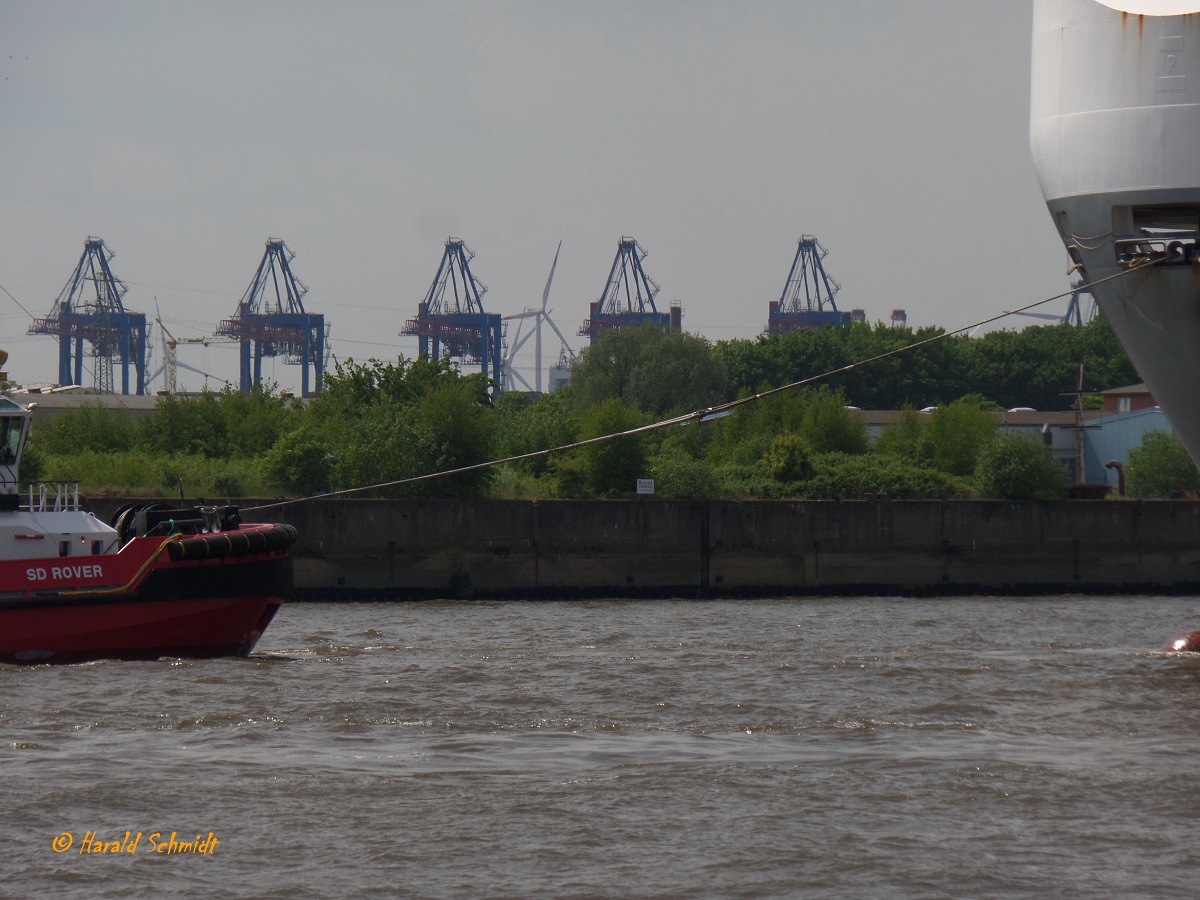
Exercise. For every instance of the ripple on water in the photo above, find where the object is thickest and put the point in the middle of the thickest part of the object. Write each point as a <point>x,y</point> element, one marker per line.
<point>809,747</point>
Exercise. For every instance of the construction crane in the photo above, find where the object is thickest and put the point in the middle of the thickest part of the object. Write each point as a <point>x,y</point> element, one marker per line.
<point>171,342</point>
<point>628,297</point>
<point>451,321</point>
<point>89,310</point>
<point>271,321</point>
<point>807,298</point>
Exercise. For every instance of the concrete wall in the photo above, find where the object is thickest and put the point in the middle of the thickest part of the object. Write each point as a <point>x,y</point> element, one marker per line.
<point>484,548</point>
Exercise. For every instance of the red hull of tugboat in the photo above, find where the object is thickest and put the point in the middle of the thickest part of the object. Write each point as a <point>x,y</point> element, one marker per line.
<point>202,596</point>
<point>137,630</point>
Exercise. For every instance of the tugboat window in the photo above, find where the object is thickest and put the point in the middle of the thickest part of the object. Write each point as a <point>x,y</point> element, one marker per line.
<point>10,439</point>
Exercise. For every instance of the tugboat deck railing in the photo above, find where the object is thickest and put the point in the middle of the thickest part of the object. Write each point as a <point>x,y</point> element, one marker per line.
<point>56,496</point>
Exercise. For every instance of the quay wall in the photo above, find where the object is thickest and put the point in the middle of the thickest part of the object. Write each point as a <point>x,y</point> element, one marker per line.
<point>421,549</point>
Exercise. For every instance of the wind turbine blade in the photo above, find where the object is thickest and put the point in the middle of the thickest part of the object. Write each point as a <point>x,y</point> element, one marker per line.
<point>1034,315</point>
<point>560,335</point>
<point>516,376</point>
<point>518,342</point>
<point>550,277</point>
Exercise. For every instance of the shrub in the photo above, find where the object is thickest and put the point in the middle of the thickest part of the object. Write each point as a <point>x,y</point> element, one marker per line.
<point>840,476</point>
<point>1017,467</point>
<point>87,427</point>
<point>1160,467</point>
<point>787,459</point>
<point>829,427</point>
<point>512,483</point>
<point>139,474</point>
<point>903,437</point>
<point>299,463</point>
<point>955,437</point>
<point>678,476</point>
<point>613,466</point>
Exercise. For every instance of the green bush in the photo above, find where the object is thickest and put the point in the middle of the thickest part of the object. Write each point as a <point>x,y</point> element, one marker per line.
<point>955,437</point>
<point>678,476</point>
<point>649,367</point>
<point>512,483</point>
<point>787,459</point>
<point>904,437</point>
<point>526,427</point>
<point>136,473</point>
<point>830,427</point>
<point>568,474</point>
<point>191,425</point>
<point>1017,467</point>
<point>613,466</point>
<point>300,463</point>
<point>33,464</point>
<point>1160,467</point>
<point>841,476</point>
<point>384,423</point>
<point>89,426</point>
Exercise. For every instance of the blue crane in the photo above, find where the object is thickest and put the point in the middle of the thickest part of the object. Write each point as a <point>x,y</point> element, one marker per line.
<point>451,321</point>
<point>89,309</point>
<point>628,297</point>
<point>807,298</point>
<point>271,321</point>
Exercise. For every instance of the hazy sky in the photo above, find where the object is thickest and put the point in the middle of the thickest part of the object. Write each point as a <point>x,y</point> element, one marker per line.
<point>364,134</point>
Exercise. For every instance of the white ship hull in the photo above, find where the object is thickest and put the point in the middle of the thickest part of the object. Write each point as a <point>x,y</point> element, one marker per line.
<point>1115,136</point>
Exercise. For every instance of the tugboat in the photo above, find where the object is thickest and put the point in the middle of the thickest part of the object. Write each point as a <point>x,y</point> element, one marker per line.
<point>187,582</point>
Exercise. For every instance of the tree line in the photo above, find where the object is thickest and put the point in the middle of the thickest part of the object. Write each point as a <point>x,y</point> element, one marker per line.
<point>387,423</point>
<point>663,372</point>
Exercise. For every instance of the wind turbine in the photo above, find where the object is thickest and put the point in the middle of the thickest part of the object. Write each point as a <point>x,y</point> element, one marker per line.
<point>1074,314</point>
<point>539,316</point>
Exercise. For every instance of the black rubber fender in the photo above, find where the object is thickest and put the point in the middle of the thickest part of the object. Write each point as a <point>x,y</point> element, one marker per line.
<point>225,544</point>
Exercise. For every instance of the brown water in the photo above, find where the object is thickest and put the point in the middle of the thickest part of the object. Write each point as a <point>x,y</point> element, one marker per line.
<point>961,747</point>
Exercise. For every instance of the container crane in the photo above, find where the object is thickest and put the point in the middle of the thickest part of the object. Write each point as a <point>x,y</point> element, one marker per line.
<point>89,310</point>
<point>807,298</point>
<point>271,321</point>
<point>628,297</point>
<point>451,321</point>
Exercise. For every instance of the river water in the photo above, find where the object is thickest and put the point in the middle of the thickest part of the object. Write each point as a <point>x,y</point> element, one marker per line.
<point>958,747</point>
